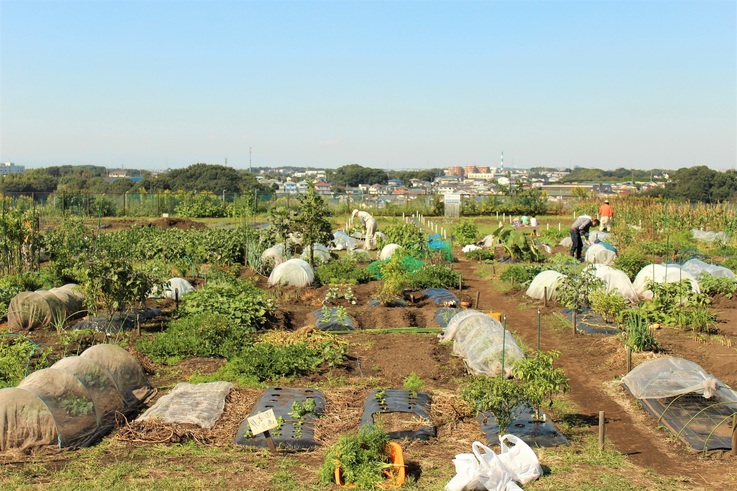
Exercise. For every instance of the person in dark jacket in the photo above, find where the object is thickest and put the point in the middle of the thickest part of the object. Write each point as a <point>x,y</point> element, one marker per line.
<point>579,231</point>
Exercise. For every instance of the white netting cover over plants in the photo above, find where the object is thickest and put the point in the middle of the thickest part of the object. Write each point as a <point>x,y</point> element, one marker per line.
<point>598,254</point>
<point>597,236</point>
<point>488,242</point>
<point>43,308</point>
<point>322,254</point>
<point>343,241</point>
<point>199,404</point>
<point>565,242</point>
<point>698,267</point>
<point>174,287</point>
<point>74,402</point>
<point>616,281</point>
<point>294,272</point>
<point>480,340</point>
<point>661,273</point>
<point>388,251</point>
<point>709,236</point>
<point>274,256</point>
<point>671,376</point>
<point>550,279</point>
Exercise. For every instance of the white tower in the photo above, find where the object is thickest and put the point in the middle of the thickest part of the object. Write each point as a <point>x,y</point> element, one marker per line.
<point>501,165</point>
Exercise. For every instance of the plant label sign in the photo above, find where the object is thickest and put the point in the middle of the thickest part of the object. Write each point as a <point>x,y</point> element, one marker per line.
<point>262,422</point>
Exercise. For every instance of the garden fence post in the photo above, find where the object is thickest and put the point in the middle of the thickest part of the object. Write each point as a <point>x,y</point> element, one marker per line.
<point>575,308</point>
<point>478,297</point>
<point>602,430</point>
<point>545,297</point>
<point>629,359</point>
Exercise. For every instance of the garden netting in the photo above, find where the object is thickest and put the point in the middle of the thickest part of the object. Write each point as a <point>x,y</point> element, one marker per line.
<point>616,281</point>
<point>74,402</point>
<point>174,288</point>
<point>333,319</point>
<point>483,343</point>
<point>274,256</point>
<point>388,251</point>
<point>322,254</point>
<point>670,376</point>
<point>597,236</point>
<point>198,404</point>
<point>441,296</point>
<point>550,279</point>
<point>709,236</point>
<point>343,241</point>
<point>43,308</point>
<point>661,273</point>
<point>698,267</point>
<point>294,272</point>
<point>599,254</point>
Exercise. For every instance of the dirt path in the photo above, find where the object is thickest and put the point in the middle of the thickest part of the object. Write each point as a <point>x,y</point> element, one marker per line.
<point>592,363</point>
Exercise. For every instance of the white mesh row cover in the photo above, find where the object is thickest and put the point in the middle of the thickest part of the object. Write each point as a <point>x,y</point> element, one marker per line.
<point>273,256</point>
<point>566,242</point>
<point>322,254</point>
<point>343,241</point>
<point>598,254</point>
<point>43,308</point>
<point>597,236</point>
<point>709,236</point>
<point>174,287</point>
<point>480,340</point>
<point>199,404</point>
<point>294,272</point>
<point>616,281</point>
<point>388,251</point>
<point>471,247</point>
<point>671,376</point>
<point>661,273</point>
<point>74,402</point>
<point>548,278</point>
<point>698,267</point>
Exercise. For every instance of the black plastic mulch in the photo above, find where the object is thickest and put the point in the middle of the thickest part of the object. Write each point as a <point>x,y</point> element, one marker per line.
<point>399,401</point>
<point>589,322</point>
<point>294,434</point>
<point>533,433</point>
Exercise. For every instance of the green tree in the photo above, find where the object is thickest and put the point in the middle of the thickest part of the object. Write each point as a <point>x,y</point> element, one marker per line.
<point>354,174</point>
<point>311,220</point>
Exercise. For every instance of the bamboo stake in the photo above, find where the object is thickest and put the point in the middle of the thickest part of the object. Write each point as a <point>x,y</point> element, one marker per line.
<point>602,430</point>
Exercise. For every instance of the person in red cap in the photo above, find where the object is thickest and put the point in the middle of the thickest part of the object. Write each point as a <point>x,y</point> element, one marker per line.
<point>606,213</point>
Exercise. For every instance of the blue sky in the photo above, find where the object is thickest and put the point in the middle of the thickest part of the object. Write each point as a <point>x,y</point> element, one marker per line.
<point>386,84</point>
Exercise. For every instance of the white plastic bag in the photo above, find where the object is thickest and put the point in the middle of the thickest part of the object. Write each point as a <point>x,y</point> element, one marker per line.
<point>481,472</point>
<point>520,459</point>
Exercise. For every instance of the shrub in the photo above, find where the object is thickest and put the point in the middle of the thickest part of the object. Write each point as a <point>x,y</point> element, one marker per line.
<point>409,236</point>
<point>609,304</point>
<point>466,232</point>
<point>504,398</point>
<point>730,263</point>
<point>631,261</point>
<point>552,236</point>
<point>714,285</point>
<point>434,276</point>
<point>245,304</point>
<point>480,255</point>
<point>342,272</point>
<point>521,275</point>
<point>541,380</point>
<point>19,356</point>
<point>198,335</point>
<point>575,290</point>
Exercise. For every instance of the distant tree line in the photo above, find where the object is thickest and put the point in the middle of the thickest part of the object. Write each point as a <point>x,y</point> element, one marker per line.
<point>93,179</point>
<point>699,184</point>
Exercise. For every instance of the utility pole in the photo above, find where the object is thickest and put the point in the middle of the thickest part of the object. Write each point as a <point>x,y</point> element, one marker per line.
<point>249,160</point>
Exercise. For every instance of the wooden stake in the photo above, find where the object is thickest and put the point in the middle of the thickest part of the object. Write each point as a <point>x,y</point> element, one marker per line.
<point>734,434</point>
<point>574,323</point>
<point>629,359</point>
<point>545,298</point>
<point>270,442</point>
<point>478,296</point>
<point>602,430</point>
